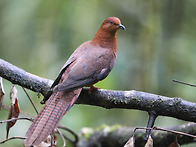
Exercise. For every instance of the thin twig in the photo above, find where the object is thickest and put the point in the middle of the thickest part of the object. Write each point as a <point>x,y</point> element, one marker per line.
<point>71,132</point>
<point>63,138</point>
<point>24,113</point>
<point>12,119</point>
<point>51,140</point>
<point>184,83</point>
<point>15,137</point>
<point>172,131</point>
<point>30,100</point>
<point>167,130</point>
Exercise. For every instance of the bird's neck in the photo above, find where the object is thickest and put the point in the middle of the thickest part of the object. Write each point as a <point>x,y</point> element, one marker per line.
<point>106,39</point>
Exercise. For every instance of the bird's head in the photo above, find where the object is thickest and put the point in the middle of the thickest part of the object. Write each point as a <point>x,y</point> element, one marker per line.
<point>106,35</point>
<point>112,24</point>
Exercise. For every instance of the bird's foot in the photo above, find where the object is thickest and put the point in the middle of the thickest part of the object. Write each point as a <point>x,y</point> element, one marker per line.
<point>92,88</point>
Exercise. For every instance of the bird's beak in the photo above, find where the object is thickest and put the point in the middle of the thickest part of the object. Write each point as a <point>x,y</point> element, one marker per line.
<point>121,27</point>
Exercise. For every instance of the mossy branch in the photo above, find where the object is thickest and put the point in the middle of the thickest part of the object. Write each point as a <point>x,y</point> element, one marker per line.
<point>117,135</point>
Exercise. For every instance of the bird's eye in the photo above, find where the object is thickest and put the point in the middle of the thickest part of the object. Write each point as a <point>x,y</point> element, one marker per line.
<point>111,22</point>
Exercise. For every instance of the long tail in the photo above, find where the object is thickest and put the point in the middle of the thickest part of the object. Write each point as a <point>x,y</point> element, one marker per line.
<point>46,121</point>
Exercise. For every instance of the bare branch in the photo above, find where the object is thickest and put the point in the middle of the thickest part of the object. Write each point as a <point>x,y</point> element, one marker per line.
<point>16,137</point>
<point>12,119</point>
<point>173,131</point>
<point>63,138</point>
<point>177,81</point>
<point>71,132</point>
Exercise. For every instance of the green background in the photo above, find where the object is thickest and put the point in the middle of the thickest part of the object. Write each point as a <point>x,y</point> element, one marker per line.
<point>159,45</point>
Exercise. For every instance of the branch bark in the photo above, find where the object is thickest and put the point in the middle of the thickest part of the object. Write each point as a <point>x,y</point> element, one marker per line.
<point>173,107</point>
<point>20,77</point>
<point>111,136</point>
<point>161,105</point>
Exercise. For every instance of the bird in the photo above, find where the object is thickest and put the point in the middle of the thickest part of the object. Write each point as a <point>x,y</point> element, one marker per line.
<point>90,63</point>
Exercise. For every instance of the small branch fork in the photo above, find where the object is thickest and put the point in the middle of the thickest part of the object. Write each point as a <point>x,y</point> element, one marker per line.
<point>15,137</point>
<point>151,121</point>
<point>153,115</point>
<point>13,119</point>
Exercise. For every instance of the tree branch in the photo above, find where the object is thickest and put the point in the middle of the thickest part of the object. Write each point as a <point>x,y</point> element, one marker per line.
<point>117,136</point>
<point>20,77</point>
<point>173,107</point>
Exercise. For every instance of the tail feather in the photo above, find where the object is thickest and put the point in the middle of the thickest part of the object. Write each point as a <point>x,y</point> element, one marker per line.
<point>35,122</point>
<point>44,126</point>
<point>51,121</point>
<point>31,130</point>
<point>46,121</point>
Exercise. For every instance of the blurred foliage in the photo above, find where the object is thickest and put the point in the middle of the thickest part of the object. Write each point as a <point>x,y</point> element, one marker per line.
<point>158,46</point>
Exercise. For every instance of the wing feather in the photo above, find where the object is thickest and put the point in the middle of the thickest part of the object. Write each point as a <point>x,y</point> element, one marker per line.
<point>86,71</point>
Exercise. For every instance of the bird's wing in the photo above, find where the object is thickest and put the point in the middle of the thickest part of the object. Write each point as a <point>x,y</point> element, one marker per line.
<point>89,68</point>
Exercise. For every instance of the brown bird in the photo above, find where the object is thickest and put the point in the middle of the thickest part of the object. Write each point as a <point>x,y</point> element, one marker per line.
<point>90,62</point>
